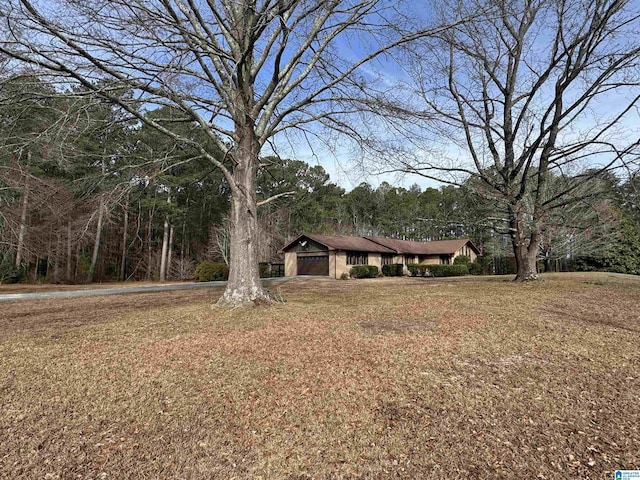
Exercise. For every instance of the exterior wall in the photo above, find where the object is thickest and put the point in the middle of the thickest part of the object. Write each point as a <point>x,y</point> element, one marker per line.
<point>472,255</point>
<point>430,260</point>
<point>337,263</point>
<point>332,265</point>
<point>291,264</point>
<point>309,246</point>
<point>340,265</point>
<point>375,259</point>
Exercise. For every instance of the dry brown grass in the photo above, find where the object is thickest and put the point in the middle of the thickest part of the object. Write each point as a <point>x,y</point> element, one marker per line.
<point>358,379</point>
<point>52,287</point>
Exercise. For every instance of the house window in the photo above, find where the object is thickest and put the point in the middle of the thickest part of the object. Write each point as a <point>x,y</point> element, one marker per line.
<point>445,260</point>
<point>357,258</point>
<point>409,259</point>
<point>387,259</point>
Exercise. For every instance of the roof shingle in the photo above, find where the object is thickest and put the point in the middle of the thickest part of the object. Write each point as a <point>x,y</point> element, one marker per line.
<point>345,242</point>
<point>436,247</point>
<point>387,245</point>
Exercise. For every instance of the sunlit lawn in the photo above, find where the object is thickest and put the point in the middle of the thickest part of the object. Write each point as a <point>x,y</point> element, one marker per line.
<point>462,378</point>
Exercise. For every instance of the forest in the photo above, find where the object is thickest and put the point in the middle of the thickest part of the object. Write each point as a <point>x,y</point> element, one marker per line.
<point>88,194</point>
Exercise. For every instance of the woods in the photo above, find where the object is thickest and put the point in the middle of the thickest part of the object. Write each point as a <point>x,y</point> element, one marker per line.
<point>148,141</point>
<point>89,197</point>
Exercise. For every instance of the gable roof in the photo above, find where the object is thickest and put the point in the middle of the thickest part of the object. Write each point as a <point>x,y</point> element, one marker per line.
<point>436,247</point>
<point>344,242</point>
<point>387,245</point>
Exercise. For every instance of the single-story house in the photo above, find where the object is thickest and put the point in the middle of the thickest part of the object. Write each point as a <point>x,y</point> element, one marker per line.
<point>333,255</point>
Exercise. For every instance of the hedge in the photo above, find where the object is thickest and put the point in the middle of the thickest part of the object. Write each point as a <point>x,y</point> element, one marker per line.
<point>364,271</point>
<point>419,270</point>
<point>461,260</point>
<point>210,271</point>
<point>392,270</point>
<point>475,268</point>
<point>448,270</point>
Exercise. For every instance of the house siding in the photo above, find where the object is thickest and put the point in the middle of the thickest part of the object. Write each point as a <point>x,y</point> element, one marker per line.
<point>430,260</point>
<point>376,260</point>
<point>291,264</point>
<point>340,265</point>
<point>471,254</point>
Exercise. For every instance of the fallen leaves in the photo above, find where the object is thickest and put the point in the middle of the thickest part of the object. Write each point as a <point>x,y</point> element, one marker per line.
<point>382,378</point>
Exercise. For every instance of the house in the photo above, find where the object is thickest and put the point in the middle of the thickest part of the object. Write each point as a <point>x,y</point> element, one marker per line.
<point>333,255</point>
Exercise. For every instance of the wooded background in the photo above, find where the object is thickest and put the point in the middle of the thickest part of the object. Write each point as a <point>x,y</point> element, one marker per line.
<point>86,195</point>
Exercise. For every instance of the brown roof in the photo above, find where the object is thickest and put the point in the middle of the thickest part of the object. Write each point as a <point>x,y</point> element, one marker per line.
<point>436,247</point>
<point>388,245</point>
<point>344,242</point>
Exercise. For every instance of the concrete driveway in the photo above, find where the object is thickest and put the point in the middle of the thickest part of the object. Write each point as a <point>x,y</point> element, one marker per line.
<point>123,290</point>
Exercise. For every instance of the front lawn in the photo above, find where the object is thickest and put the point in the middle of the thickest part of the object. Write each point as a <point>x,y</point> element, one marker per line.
<point>383,378</point>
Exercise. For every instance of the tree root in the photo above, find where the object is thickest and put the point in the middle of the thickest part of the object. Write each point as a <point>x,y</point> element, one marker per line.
<point>264,298</point>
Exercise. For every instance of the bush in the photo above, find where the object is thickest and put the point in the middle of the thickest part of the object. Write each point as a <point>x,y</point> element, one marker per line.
<point>393,270</point>
<point>8,272</point>
<point>419,270</point>
<point>364,271</point>
<point>475,268</point>
<point>344,276</point>
<point>448,270</point>
<point>210,271</point>
<point>461,260</point>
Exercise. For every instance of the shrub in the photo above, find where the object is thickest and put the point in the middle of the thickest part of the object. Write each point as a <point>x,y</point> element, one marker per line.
<point>364,271</point>
<point>475,268</point>
<point>448,270</point>
<point>210,271</point>
<point>344,276</point>
<point>8,272</point>
<point>419,270</point>
<point>461,260</point>
<point>392,270</point>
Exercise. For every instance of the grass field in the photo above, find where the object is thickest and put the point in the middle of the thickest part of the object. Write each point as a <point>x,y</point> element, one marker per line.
<point>385,378</point>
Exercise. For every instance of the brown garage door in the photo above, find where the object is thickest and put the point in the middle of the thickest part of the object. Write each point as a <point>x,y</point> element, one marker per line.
<point>313,265</point>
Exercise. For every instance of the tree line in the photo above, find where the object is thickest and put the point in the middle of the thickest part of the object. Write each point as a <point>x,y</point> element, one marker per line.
<point>532,104</point>
<point>87,194</point>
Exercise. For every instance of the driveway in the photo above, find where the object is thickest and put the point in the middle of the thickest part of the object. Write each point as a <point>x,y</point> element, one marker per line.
<point>123,290</point>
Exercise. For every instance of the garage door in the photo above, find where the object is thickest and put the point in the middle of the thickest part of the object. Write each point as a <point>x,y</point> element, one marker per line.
<point>313,265</point>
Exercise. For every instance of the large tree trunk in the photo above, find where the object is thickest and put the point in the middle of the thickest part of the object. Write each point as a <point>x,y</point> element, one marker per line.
<point>244,285</point>
<point>525,249</point>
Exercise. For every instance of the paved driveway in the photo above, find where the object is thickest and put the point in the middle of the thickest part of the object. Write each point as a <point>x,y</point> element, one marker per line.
<point>122,290</point>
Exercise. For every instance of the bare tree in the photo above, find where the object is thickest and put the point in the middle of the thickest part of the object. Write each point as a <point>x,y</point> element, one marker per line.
<point>530,89</point>
<point>246,72</point>
<point>220,241</point>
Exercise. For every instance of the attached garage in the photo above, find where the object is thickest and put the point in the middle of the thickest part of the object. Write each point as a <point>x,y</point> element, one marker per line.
<point>313,264</point>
